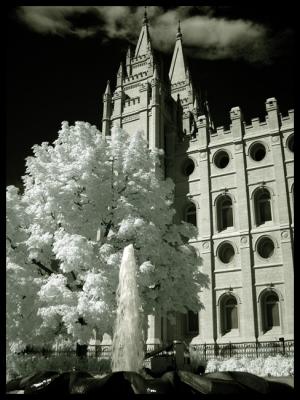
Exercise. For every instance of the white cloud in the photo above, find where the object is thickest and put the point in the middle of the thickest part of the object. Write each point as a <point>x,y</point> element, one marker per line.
<point>204,35</point>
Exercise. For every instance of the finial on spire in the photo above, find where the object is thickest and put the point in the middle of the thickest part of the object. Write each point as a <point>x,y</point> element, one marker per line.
<point>179,34</point>
<point>145,21</point>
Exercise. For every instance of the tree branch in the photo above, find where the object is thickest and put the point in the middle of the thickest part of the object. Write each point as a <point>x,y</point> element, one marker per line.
<point>41,266</point>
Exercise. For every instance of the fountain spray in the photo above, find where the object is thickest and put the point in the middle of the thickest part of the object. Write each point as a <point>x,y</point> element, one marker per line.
<point>128,346</point>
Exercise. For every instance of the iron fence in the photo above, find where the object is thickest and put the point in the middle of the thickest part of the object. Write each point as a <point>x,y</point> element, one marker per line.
<point>238,350</point>
<point>204,351</point>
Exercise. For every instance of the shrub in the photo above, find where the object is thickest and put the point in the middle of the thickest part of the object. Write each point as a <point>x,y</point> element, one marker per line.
<point>269,366</point>
<point>25,364</point>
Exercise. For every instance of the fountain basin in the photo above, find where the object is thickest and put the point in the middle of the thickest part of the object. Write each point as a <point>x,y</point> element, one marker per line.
<point>126,383</point>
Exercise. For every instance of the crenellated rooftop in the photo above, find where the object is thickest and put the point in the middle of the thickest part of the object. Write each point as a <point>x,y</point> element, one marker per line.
<point>135,77</point>
<point>256,126</point>
<point>132,102</point>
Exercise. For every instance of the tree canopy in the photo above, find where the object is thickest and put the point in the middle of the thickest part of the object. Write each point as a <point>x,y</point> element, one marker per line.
<point>84,200</point>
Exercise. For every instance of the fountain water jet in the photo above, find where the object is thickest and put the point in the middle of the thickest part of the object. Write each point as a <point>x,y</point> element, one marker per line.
<point>128,345</point>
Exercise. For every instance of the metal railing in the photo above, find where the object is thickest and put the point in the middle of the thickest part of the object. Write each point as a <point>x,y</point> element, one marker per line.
<point>248,349</point>
<point>202,351</point>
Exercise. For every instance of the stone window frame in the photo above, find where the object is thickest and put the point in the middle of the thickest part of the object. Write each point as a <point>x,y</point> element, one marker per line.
<point>216,153</point>
<point>222,243</point>
<point>259,239</point>
<point>188,204</point>
<point>187,323</point>
<point>218,204</point>
<point>255,143</point>
<point>257,198</point>
<point>262,311</point>
<point>254,206</point>
<point>221,315</point>
<point>184,162</point>
<point>288,139</point>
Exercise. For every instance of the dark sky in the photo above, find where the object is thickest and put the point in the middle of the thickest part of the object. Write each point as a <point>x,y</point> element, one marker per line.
<point>54,78</point>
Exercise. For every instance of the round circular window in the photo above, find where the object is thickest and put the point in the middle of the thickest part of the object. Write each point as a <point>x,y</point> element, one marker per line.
<point>221,159</point>
<point>265,247</point>
<point>226,253</point>
<point>257,151</point>
<point>188,167</point>
<point>290,143</point>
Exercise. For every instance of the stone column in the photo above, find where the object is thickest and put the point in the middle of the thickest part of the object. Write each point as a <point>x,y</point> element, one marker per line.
<point>285,222</point>
<point>207,316</point>
<point>144,98</point>
<point>154,332</point>
<point>247,311</point>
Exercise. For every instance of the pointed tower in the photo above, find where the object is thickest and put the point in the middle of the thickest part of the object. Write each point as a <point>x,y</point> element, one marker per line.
<point>120,75</point>
<point>177,71</point>
<point>181,84</point>
<point>144,39</point>
<point>118,98</point>
<point>107,108</point>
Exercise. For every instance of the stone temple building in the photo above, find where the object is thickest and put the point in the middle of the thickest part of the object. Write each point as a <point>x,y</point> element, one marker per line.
<point>235,185</point>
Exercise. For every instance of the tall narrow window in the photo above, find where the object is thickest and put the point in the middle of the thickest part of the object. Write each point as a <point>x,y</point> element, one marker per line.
<point>230,314</point>
<point>190,214</point>
<point>271,311</point>
<point>193,323</point>
<point>263,206</point>
<point>224,212</point>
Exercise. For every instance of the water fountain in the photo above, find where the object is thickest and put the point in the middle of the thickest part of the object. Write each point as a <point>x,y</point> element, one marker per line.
<point>127,376</point>
<point>128,346</point>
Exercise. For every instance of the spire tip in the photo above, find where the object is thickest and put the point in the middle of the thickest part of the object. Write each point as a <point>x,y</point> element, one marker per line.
<point>179,34</point>
<point>145,21</point>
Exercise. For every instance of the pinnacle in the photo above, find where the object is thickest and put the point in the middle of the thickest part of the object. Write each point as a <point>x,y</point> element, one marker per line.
<point>107,90</point>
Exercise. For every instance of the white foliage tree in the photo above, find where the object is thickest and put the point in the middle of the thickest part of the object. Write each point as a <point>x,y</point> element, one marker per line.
<point>84,200</point>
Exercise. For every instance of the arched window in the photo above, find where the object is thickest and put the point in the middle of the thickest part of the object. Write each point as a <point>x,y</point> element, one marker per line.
<point>224,213</point>
<point>229,313</point>
<point>190,214</point>
<point>263,211</point>
<point>270,310</point>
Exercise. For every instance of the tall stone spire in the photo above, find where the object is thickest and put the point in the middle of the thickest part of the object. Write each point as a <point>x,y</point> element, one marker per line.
<point>177,72</point>
<point>144,38</point>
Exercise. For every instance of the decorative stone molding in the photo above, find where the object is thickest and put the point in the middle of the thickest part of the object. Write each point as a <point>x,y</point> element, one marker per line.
<point>275,139</point>
<point>285,234</point>
<point>205,245</point>
<point>131,118</point>
<point>244,240</point>
<point>238,146</point>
